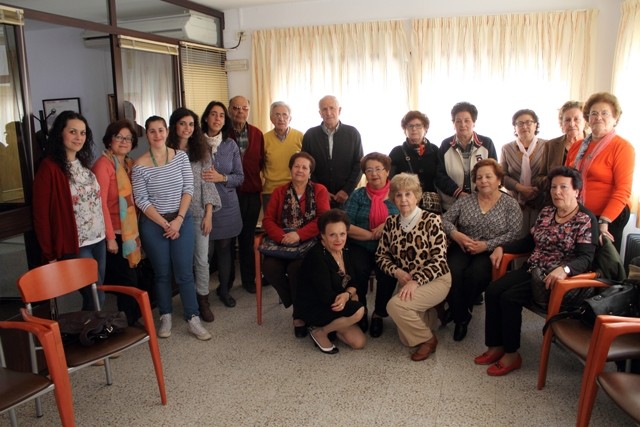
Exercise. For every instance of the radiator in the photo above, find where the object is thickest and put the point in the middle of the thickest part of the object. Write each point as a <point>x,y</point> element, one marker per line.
<point>632,248</point>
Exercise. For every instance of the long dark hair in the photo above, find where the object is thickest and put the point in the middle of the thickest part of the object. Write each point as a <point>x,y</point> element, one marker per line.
<point>55,145</point>
<point>226,129</point>
<point>196,146</point>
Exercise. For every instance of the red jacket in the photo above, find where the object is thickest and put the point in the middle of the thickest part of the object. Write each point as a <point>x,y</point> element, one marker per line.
<point>252,160</point>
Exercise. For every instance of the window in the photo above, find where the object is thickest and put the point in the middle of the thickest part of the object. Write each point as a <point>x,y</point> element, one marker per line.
<point>204,78</point>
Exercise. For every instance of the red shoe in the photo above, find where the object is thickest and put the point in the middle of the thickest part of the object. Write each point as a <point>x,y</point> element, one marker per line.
<point>487,358</point>
<point>498,369</point>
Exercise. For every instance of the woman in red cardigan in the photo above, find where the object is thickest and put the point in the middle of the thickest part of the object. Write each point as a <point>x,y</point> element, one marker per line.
<point>606,162</point>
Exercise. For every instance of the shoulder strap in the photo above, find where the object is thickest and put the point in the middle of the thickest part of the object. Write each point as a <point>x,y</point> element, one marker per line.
<point>408,159</point>
<point>573,314</point>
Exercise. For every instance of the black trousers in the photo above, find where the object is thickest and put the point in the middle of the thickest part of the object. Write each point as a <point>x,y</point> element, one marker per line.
<point>470,276</point>
<point>617,227</point>
<point>250,204</point>
<point>223,252</point>
<point>282,274</point>
<point>362,263</point>
<point>118,272</point>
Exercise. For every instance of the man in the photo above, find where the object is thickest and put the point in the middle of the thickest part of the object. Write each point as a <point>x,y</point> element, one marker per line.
<point>251,144</point>
<point>337,150</point>
<point>280,144</point>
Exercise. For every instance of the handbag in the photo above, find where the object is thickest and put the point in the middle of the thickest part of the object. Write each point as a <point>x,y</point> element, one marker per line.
<point>90,327</point>
<point>540,294</point>
<point>271,248</point>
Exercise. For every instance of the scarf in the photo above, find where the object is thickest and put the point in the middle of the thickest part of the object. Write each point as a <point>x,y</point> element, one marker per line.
<point>583,163</point>
<point>292,216</point>
<point>378,212</point>
<point>213,142</point>
<point>128,217</point>
<point>525,170</point>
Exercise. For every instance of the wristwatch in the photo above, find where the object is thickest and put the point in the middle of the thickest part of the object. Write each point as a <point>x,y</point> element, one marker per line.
<point>567,270</point>
<point>224,179</point>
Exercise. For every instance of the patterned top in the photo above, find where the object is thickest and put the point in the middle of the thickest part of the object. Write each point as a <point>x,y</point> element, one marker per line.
<point>421,251</point>
<point>163,186</point>
<point>87,204</point>
<point>501,224</point>
<point>204,193</point>
<point>357,208</point>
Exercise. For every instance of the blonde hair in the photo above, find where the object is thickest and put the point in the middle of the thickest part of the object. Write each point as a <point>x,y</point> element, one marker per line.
<point>405,182</point>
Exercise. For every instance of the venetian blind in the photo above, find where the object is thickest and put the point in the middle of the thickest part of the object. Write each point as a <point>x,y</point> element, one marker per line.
<point>204,77</point>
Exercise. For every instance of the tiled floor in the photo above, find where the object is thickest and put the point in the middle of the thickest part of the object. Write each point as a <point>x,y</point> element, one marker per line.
<point>250,375</point>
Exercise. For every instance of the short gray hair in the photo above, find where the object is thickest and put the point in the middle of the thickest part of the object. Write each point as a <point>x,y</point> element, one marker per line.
<point>279,104</point>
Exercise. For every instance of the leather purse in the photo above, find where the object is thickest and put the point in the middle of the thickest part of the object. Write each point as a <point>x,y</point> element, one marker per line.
<point>90,327</point>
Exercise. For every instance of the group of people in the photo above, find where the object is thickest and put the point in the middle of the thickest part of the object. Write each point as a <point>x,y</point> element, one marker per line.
<point>208,179</point>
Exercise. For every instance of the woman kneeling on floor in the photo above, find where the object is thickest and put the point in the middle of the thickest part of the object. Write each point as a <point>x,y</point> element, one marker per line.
<point>326,299</point>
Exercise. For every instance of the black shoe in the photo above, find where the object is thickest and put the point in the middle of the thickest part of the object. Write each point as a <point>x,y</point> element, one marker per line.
<point>448,317</point>
<point>364,322</point>
<point>227,300</point>
<point>460,331</point>
<point>479,300</point>
<point>251,288</point>
<point>331,350</point>
<point>300,331</point>
<point>376,327</point>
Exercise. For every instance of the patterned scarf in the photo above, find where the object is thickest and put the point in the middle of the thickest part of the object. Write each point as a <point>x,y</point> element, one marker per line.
<point>379,211</point>
<point>128,217</point>
<point>213,142</point>
<point>292,216</point>
<point>525,170</point>
<point>583,163</point>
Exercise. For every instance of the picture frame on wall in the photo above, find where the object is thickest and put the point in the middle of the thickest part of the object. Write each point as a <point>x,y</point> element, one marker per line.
<point>53,107</point>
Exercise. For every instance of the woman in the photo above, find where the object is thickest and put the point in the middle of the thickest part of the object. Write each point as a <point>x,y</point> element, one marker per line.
<point>563,241</point>
<point>326,298</point>
<point>113,172</point>
<point>416,154</point>
<point>185,134</point>
<point>368,208</point>
<point>68,215</point>
<point>572,124</point>
<point>521,161</point>
<point>162,188</point>
<point>226,173</point>
<point>290,219</point>
<point>606,162</point>
<point>413,249</point>
<point>477,225</point>
<point>459,153</point>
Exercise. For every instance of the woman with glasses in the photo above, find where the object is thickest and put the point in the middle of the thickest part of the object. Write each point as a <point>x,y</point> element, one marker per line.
<point>368,208</point>
<point>416,154</point>
<point>521,161</point>
<point>606,162</point>
<point>326,298</point>
<point>113,172</point>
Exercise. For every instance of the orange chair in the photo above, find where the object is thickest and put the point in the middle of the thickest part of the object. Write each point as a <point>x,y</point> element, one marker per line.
<point>53,280</point>
<point>19,387</point>
<point>623,388</point>
<point>507,258</point>
<point>257,241</point>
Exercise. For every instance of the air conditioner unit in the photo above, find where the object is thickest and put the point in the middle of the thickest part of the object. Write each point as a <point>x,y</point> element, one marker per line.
<point>190,26</point>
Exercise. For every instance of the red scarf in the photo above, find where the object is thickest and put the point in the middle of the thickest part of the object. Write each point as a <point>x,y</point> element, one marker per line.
<point>379,211</point>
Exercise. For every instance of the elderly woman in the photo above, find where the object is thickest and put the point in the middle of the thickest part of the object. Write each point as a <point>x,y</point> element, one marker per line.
<point>290,219</point>
<point>521,161</point>
<point>185,134</point>
<point>563,241</point>
<point>459,154</point>
<point>326,298</point>
<point>413,249</point>
<point>368,208</point>
<point>416,154</point>
<point>113,172</point>
<point>477,225</point>
<point>572,124</point>
<point>606,162</point>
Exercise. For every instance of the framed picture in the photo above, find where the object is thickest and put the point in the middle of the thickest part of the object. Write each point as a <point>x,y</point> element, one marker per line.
<point>53,107</point>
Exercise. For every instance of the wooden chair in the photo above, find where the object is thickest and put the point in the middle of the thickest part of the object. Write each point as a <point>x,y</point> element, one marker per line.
<point>257,241</point>
<point>623,388</point>
<point>60,278</point>
<point>19,387</point>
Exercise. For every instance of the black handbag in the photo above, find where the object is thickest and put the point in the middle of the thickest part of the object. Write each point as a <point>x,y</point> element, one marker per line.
<point>90,327</point>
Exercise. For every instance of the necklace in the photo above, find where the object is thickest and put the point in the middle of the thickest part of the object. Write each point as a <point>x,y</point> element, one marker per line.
<point>166,159</point>
<point>564,216</point>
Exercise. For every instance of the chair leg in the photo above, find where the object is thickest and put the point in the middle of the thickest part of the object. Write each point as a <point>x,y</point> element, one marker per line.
<point>13,418</point>
<point>107,371</point>
<point>544,359</point>
<point>154,349</point>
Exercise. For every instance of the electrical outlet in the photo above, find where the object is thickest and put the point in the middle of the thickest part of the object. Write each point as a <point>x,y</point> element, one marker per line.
<point>240,36</point>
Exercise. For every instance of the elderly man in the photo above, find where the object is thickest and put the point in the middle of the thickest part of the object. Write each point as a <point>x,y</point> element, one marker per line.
<point>337,149</point>
<point>280,144</point>
<point>251,143</point>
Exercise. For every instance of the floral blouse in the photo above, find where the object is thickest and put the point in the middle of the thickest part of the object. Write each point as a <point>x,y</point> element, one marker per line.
<point>87,205</point>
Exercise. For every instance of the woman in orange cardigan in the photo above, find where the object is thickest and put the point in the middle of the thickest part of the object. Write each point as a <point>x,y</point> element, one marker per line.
<point>606,162</point>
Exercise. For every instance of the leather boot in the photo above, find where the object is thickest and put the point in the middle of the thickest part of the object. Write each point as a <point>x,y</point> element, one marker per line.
<point>203,305</point>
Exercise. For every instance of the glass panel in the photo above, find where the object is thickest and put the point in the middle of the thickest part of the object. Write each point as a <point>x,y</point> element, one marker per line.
<point>13,264</point>
<point>91,10</point>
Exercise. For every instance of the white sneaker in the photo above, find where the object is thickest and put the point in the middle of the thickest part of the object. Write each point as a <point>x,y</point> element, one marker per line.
<point>196,328</point>
<point>164,330</point>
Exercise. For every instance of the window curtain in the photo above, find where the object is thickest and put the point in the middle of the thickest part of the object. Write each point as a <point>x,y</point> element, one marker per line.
<point>626,69</point>
<point>364,65</point>
<point>501,64</point>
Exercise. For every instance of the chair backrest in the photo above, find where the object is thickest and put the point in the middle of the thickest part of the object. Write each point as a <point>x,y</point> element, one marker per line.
<point>59,278</point>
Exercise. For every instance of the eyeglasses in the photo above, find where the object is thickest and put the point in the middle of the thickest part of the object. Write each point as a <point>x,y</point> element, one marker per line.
<point>604,114</point>
<point>239,107</point>
<point>417,127</point>
<point>280,115</point>
<point>369,171</point>
<point>345,278</point>
<point>121,138</point>
<point>525,123</point>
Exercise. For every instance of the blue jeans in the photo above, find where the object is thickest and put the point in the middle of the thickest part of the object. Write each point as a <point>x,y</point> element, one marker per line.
<point>97,251</point>
<point>168,258</point>
<point>201,258</point>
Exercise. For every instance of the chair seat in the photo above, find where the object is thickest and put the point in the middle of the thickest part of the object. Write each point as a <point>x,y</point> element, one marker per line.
<point>16,387</point>
<point>78,355</point>
<point>624,389</point>
<point>576,336</point>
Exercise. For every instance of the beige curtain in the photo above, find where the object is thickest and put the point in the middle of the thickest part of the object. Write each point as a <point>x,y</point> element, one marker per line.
<point>501,64</point>
<point>364,65</point>
<point>626,70</point>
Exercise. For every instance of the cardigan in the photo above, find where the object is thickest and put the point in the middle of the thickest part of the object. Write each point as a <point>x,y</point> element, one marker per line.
<point>277,154</point>
<point>252,160</point>
<point>425,166</point>
<point>357,209</point>
<point>227,222</point>
<point>204,193</point>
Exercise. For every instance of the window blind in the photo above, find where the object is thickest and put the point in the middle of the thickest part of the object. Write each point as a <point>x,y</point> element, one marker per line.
<point>204,78</point>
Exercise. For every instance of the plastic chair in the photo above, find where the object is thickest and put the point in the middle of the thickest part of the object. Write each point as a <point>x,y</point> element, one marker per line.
<point>54,280</point>
<point>623,388</point>
<point>19,387</point>
<point>257,241</point>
